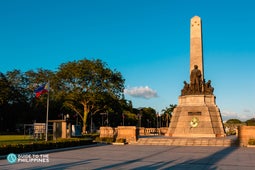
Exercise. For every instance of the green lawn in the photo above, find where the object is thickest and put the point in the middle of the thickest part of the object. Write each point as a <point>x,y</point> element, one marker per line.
<point>21,143</point>
<point>15,139</point>
<point>23,139</point>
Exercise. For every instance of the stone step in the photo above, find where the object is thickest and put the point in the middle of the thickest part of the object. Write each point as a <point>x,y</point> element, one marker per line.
<point>171,141</point>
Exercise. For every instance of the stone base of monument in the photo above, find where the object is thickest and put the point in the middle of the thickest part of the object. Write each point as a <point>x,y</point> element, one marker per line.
<point>196,116</point>
<point>186,141</point>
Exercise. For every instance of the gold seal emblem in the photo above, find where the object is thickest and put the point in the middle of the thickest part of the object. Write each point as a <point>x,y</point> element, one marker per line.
<point>194,122</point>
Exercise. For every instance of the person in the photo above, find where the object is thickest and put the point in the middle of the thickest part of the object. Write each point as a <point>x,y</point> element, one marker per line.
<point>195,80</point>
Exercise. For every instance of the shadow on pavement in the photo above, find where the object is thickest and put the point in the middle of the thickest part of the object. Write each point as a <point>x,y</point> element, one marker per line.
<point>62,166</point>
<point>208,162</point>
<point>152,166</point>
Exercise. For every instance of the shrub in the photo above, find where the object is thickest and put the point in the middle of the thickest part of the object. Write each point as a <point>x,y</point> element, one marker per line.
<point>121,140</point>
<point>231,132</point>
<point>104,139</point>
<point>42,145</point>
<point>92,136</point>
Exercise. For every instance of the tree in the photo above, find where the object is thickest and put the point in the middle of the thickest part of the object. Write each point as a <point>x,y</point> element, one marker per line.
<point>5,92</point>
<point>130,119</point>
<point>19,83</point>
<point>250,122</point>
<point>233,121</point>
<point>167,114</point>
<point>147,117</point>
<point>231,126</point>
<point>87,86</point>
<point>39,105</point>
<point>5,99</point>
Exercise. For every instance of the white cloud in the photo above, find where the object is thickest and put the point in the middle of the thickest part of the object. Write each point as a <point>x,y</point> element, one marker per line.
<point>141,92</point>
<point>226,115</point>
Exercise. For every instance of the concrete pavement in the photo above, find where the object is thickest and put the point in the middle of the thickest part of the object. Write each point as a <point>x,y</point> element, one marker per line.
<point>145,157</point>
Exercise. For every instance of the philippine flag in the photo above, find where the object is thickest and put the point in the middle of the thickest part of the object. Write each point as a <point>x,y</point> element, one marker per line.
<point>41,90</point>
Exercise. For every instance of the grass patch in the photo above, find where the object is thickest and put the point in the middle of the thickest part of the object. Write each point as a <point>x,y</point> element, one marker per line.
<point>16,139</point>
<point>20,144</point>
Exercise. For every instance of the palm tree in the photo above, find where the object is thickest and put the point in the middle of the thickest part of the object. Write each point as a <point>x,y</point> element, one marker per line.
<point>167,113</point>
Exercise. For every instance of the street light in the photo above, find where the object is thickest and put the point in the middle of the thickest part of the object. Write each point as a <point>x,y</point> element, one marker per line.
<point>159,121</point>
<point>123,119</point>
<point>68,126</point>
<point>102,114</point>
<point>91,121</point>
<point>107,119</point>
<point>140,120</point>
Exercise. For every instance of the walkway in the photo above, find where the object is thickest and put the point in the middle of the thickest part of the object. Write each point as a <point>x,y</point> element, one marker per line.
<point>138,157</point>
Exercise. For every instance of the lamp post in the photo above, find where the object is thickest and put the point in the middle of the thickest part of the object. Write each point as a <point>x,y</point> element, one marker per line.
<point>140,120</point>
<point>157,120</point>
<point>91,121</point>
<point>77,119</point>
<point>107,119</point>
<point>102,114</point>
<point>123,119</point>
<point>68,128</point>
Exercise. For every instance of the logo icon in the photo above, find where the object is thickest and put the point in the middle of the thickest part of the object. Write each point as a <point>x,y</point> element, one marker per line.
<point>11,158</point>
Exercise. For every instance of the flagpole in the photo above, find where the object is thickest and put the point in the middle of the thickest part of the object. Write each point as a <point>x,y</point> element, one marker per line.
<point>47,112</point>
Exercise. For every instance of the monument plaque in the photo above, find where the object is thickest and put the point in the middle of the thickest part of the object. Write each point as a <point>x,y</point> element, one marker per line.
<point>196,114</point>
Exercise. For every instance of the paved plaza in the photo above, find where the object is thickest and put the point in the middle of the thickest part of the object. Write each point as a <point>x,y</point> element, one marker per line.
<point>144,157</point>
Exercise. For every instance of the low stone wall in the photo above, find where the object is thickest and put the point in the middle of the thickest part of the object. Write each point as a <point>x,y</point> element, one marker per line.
<point>245,133</point>
<point>130,133</point>
<point>153,131</point>
<point>107,132</point>
<point>141,131</point>
<point>150,131</point>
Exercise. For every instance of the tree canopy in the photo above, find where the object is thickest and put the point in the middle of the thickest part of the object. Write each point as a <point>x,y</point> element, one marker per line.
<point>80,88</point>
<point>167,114</point>
<point>233,121</point>
<point>250,122</point>
<point>88,86</point>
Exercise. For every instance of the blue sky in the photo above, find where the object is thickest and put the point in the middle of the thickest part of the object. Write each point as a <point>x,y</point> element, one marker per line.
<point>146,40</point>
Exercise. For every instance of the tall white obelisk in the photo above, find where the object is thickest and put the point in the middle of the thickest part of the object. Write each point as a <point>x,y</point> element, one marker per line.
<point>196,46</point>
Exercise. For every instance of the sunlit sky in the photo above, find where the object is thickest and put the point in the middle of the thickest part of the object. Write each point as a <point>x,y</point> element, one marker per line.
<point>146,40</point>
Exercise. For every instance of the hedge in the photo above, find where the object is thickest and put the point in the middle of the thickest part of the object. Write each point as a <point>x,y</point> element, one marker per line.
<point>42,145</point>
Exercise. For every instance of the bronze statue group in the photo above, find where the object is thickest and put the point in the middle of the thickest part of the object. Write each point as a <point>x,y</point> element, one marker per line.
<point>197,86</point>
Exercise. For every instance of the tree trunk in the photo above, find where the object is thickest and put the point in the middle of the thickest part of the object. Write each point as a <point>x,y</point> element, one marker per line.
<point>85,115</point>
<point>84,128</point>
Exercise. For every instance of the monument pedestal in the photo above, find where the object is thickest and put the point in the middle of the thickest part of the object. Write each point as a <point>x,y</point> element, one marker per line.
<point>196,116</point>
